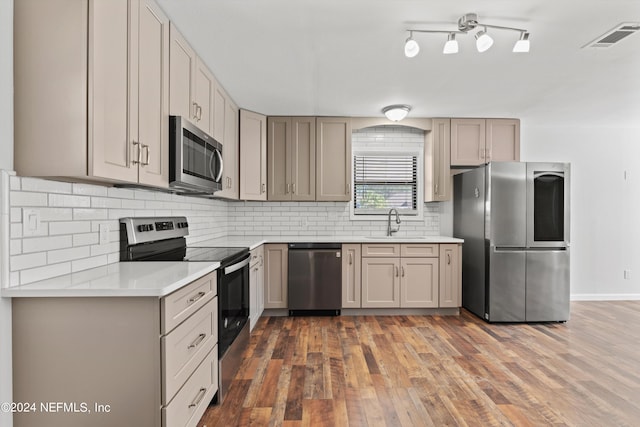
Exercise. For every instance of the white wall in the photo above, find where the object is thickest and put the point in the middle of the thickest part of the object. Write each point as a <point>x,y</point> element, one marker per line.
<point>6,162</point>
<point>605,207</point>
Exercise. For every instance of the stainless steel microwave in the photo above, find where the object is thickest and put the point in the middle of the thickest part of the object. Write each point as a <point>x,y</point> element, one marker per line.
<point>195,158</point>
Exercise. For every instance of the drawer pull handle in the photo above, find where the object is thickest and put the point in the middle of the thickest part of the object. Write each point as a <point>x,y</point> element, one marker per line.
<point>195,298</point>
<point>198,398</point>
<point>197,341</point>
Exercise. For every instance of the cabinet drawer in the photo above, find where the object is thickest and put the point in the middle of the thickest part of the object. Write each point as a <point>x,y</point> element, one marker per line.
<point>179,305</point>
<point>186,346</point>
<point>257,256</point>
<point>192,400</point>
<point>381,250</point>
<point>420,250</point>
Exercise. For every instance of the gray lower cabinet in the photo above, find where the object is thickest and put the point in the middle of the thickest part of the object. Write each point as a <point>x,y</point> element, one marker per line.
<point>117,361</point>
<point>404,276</point>
<point>256,285</point>
<point>276,257</point>
<point>351,273</point>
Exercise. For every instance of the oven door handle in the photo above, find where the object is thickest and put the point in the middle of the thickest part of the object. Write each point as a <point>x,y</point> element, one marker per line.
<point>237,266</point>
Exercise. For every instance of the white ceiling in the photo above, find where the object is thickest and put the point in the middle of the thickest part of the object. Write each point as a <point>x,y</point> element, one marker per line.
<point>345,57</point>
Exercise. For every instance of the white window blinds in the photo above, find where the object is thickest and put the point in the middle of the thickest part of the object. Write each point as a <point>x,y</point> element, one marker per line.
<point>382,182</point>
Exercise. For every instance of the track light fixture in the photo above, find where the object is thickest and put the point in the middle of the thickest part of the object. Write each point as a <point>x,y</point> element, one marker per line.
<point>467,23</point>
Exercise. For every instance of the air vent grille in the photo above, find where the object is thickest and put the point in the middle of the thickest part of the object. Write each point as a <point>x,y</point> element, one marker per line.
<point>614,35</point>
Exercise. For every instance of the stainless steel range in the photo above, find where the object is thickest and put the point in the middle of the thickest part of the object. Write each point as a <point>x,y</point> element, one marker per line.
<point>163,239</point>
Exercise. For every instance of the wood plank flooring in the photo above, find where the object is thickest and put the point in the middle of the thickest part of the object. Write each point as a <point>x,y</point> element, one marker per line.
<point>439,371</point>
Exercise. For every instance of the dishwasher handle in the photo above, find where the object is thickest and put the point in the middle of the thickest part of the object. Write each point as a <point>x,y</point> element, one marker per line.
<point>307,246</point>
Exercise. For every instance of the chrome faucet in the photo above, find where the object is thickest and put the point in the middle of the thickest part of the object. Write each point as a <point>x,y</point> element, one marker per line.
<point>390,230</point>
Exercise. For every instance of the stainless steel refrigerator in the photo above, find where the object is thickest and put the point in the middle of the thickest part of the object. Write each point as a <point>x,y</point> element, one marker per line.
<point>514,218</point>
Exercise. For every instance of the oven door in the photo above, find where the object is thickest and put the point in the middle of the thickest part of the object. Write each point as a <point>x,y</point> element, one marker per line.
<point>233,301</point>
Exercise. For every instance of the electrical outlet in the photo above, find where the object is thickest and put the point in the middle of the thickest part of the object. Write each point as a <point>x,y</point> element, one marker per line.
<point>627,274</point>
<point>104,233</point>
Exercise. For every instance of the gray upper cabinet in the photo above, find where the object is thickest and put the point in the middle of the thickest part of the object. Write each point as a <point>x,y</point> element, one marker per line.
<point>291,158</point>
<point>333,159</point>
<point>437,167</point>
<point>478,141</point>
<point>253,156</point>
<point>99,71</point>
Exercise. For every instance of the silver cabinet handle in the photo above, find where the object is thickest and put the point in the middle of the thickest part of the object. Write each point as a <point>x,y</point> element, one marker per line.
<point>146,147</point>
<point>196,297</point>
<point>436,189</point>
<point>197,341</point>
<point>261,260</point>
<point>195,111</point>
<point>350,258</point>
<point>262,188</point>
<point>402,271</point>
<point>448,259</point>
<point>137,144</point>
<point>348,188</point>
<point>293,188</point>
<point>198,398</point>
<point>199,113</point>
<point>396,267</point>
<point>286,189</point>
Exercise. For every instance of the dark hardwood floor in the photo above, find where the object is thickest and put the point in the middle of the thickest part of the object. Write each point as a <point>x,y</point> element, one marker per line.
<point>439,371</point>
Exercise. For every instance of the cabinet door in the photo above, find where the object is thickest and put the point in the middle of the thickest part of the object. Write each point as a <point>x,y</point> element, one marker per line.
<point>380,282</point>
<point>279,158</point>
<point>450,275</point>
<point>275,273</point>
<point>253,156</point>
<point>440,189</point>
<point>467,142</point>
<point>220,101</point>
<point>153,91</point>
<point>503,140</point>
<point>230,150</point>
<point>351,283</point>
<point>203,97</point>
<point>419,282</point>
<point>333,159</point>
<point>111,154</point>
<point>303,158</point>
<point>182,66</point>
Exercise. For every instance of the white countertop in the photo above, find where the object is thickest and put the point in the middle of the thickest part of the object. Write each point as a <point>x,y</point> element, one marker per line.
<point>160,278</point>
<point>123,279</point>
<point>253,242</point>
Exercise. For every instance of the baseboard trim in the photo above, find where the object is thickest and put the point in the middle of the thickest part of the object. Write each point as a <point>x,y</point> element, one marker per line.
<point>605,297</point>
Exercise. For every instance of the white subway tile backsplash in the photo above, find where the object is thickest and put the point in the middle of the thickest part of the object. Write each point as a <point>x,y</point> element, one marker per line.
<point>72,201</point>
<point>85,239</point>
<point>14,183</point>
<point>45,186</point>
<point>80,214</point>
<point>21,262</point>
<point>37,244</point>
<point>19,198</point>
<point>105,202</point>
<point>15,215</point>
<point>86,263</point>
<point>73,213</point>
<point>16,230</point>
<point>61,255</point>
<point>89,190</point>
<point>15,246</point>
<point>46,272</point>
<point>69,227</point>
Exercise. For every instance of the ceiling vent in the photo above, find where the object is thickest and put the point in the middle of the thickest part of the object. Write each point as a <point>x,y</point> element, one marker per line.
<point>613,36</point>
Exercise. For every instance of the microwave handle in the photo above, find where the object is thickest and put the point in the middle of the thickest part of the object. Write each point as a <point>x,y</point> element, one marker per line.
<point>217,178</point>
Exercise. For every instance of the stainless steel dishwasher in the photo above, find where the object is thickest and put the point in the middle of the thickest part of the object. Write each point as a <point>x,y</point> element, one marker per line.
<point>315,279</point>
